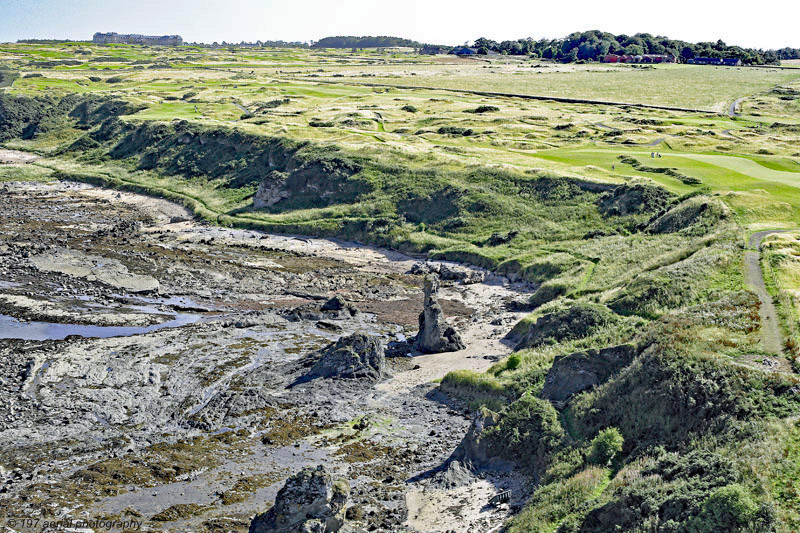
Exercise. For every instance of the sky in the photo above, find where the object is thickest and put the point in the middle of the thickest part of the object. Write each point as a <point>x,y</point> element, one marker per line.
<point>765,24</point>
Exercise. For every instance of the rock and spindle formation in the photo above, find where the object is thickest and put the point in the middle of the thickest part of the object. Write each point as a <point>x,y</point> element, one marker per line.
<point>435,336</point>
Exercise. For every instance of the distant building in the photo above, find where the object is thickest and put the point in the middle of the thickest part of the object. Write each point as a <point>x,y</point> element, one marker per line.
<point>643,58</point>
<point>705,61</point>
<point>135,38</point>
<point>464,51</point>
<point>430,50</point>
<point>724,61</point>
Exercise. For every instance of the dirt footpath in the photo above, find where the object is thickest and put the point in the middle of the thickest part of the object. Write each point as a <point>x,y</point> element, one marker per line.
<point>770,326</point>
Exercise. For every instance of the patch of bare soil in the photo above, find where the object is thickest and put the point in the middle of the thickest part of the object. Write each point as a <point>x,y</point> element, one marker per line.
<point>14,157</point>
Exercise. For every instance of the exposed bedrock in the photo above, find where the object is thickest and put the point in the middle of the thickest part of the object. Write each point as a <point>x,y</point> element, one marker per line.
<point>310,502</point>
<point>435,336</point>
<point>355,356</point>
<point>576,372</point>
<point>450,272</point>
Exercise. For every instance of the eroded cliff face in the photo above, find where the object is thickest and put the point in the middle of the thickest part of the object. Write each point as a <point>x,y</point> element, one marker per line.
<point>285,174</point>
<point>315,183</point>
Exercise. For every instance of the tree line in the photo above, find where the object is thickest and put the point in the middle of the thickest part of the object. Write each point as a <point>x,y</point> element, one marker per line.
<point>351,41</point>
<point>578,46</point>
<point>594,45</point>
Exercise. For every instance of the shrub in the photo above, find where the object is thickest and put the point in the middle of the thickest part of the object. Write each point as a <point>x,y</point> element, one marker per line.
<point>547,292</point>
<point>7,77</point>
<point>513,361</point>
<point>731,509</point>
<point>528,432</point>
<point>634,199</point>
<point>454,130</point>
<point>496,239</point>
<point>409,108</point>
<point>605,446</point>
<point>484,109</point>
<point>316,123</point>
<point>272,104</point>
<point>669,488</point>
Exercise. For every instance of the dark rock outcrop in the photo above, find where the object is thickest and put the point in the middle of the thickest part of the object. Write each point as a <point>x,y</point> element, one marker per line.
<point>339,307</point>
<point>573,373</point>
<point>474,448</point>
<point>435,336</point>
<point>356,356</point>
<point>297,181</point>
<point>477,451</point>
<point>271,190</point>
<point>336,308</point>
<point>465,275</point>
<point>309,502</point>
<point>626,200</point>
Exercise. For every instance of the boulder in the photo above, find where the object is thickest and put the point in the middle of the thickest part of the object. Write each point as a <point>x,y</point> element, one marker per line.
<point>339,307</point>
<point>356,356</point>
<point>465,275</point>
<point>310,501</point>
<point>435,336</point>
<point>573,373</point>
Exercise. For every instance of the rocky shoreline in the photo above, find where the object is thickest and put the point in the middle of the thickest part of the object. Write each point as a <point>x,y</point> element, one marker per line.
<point>198,426</point>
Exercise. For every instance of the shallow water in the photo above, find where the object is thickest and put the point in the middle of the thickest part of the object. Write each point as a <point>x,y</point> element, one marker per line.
<point>11,328</point>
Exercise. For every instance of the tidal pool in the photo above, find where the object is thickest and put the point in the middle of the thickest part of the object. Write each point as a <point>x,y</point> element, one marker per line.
<point>12,328</point>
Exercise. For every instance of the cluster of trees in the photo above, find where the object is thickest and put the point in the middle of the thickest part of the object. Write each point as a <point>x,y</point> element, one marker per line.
<point>788,53</point>
<point>593,45</point>
<point>351,41</point>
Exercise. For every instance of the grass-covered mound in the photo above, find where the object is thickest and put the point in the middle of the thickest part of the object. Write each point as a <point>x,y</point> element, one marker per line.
<point>653,443</point>
<point>574,322</point>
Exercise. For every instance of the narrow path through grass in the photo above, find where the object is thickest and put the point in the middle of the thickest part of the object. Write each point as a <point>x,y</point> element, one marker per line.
<point>754,276</point>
